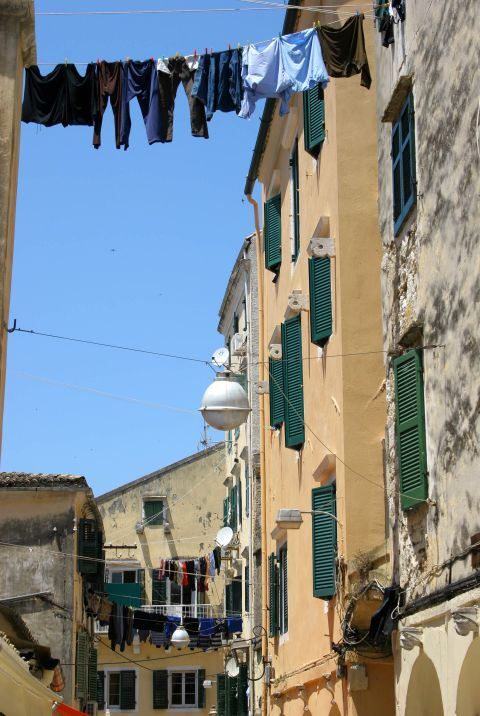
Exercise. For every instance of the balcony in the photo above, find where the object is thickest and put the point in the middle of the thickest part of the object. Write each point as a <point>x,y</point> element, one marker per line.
<point>196,611</point>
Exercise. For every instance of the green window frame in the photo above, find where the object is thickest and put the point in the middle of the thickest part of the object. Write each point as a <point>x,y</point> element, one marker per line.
<point>153,512</point>
<point>272,596</point>
<point>283,589</point>
<point>159,588</point>
<point>233,597</point>
<point>410,427</point>
<point>277,408</point>
<point>89,546</point>
<point>403,164</point>
<point>226,503</point>
<point>81,664</point>
<point>247,588</point>
<point>295,187</point>
<point>221,695</point>
<point>320,282</point>
<point>293,382</point>
<point>324,542</point>
<point>314,120</point>
<point>92,674</point>
<point>160,689</point>
<point>240,501</point>
<point>242,687</point>
<point>100,690</point>
<point>272,223</point>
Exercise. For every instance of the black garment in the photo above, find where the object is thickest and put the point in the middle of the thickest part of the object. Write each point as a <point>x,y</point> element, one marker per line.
<point>202,586</point>
<point>146,621</point>
<point>168,83</point>
<point>63,96</point>
<point>191,574</point>
<point>386,28</point>
<point>382,622</point>
<point>343,50</point>
<point>399,6</point>
<point>110,84</point>
<point>192,627</point>
<point>115,626</point>
<point>217,556</point>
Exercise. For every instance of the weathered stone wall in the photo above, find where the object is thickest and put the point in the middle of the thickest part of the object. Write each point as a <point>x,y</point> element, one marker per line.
<point>431,280</point>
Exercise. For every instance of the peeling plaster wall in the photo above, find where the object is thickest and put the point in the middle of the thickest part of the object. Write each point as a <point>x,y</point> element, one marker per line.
<point>431,279</point>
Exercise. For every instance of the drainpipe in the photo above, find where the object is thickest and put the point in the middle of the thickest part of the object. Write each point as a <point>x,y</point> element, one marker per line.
<point>261,371</point>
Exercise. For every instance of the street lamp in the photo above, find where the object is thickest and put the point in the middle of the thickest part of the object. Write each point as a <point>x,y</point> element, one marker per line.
<point>225,403</point>
<point>291,519</point>
<point>180,637</point>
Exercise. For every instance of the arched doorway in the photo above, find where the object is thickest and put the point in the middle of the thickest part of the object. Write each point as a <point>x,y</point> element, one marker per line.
<point>424,697</point>
<point>468,689</point>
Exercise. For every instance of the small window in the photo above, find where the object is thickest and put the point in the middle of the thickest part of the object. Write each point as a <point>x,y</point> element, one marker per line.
<point>403,164</point>
<point>183,689</point>
<point>120,690</point>
<point>114,689</point>
<point>153,512</point>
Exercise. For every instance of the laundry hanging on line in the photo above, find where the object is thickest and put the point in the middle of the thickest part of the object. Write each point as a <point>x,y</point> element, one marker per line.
<point>227,81</point>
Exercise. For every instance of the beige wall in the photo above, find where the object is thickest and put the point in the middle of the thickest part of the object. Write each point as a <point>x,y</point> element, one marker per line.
<point>343,396</point>
<point>17,48</point>
<point>193,494</point>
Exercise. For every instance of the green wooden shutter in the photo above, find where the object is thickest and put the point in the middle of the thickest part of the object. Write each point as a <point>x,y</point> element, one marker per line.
<point>92,674</point>
<point>233,508</point>
<point>228,600</point>
<point>101,690</point>
<point>273,233</point>
<point>127,690</point>
<point>275,369</point>
<point>159,588</point>
<point>272,596</point>
<point>236,596</point>
<point>247,490</point>
<point>242,690</point>
<point>221,695</point>
<point>293,382</point>
<point>324,542</point>
<point>153,512</point>
<point>284,588</point>
<point>411,441</point>
<point>247,588</point>
<point>160,689</point>
<point>225,512</point>
<point>240,501</point>
<point>200,688</point>
<point>82,664</point>
<point>87,546</point>
<point>320,299</point>
<point>296,202</point>
<point>232,696</point>
<point>313,120</point>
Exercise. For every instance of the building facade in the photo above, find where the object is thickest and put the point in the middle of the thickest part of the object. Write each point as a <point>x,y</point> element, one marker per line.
<point>173,513</point>
<point>17,50</point>
<point>50,556</point>
<point>429,219</point>
<point>322,433</point>
<point>242,502</point>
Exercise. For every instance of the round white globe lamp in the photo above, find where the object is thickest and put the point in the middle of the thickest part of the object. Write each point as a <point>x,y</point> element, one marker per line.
<point>225,403</point>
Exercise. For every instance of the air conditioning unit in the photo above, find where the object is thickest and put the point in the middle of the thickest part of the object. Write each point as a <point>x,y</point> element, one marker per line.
<point>297,301</point>
<point>262,388</point>
<point>275,351</point>
<point>319,247</point>
<point>139,528</point>
<point>239,344</point>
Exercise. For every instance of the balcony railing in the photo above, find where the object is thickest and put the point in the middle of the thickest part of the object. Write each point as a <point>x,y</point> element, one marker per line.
<point>197,611</point>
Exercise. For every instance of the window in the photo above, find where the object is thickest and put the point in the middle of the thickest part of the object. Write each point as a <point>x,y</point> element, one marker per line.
<point>247,588</point>
<point>125,584</point>
<point>410,425</point>
<point>171,594</point>
<point>153,512</point>
<point>293,382</point>
<point>320,300</point>
<point>180,689</point>
<point>403,162</point>
<point>233,597</point>
<point>313,120</point>
<point>272,226</point>
<point>324,541</point>
<point>283,590</point>
<point>247,491</point>
<point>272,596</point>
<point>117,690</point>
<point>275,371</point>
<point>90,544</point>
<point>295,201</point>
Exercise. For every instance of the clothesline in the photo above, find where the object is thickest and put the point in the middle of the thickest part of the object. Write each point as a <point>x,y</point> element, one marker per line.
<point>342,15</point>
<point>171,11</point>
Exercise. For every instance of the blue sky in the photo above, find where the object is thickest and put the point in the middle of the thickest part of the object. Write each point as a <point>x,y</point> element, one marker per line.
<point>175,216</point>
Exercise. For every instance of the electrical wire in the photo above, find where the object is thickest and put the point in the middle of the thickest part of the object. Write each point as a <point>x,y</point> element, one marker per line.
<point>206,10</point>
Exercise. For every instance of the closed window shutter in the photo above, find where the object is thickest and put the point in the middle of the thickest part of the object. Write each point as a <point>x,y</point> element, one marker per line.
<point>228,600</point>
<point>92,674</point>
<point>272,596</point>
<point>233,506</point>
<point>411,442</point>
<point>296,203</point>
<point>247,588</point>
<point>82,665</point>
<point>160,689</point>
<point>225,512</point>
<point>200,688</point>
<point>101,690</point>
<point>247,491</point>
<point>221,695</point>
<point>313,120</point>
<point>320,299</point>
<point>153,512</point>
<point>324,542</point>
<point>284,585</point>
<point>240,504</point>
<point>88,537</point>
<point>293,382</point>
<point>159,588</point>
<point>232,696</point>
<point>242,690</point>
<point>273,233</point>
<point>275,368</point>
<point>236,596</point>
<point>127,690</point>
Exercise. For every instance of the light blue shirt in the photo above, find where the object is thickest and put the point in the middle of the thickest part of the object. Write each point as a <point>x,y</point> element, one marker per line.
<point>277,68</point>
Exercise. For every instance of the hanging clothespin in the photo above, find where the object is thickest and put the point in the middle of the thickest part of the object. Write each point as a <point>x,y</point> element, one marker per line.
<point>177,55</point>
<point>66,61</point>
<point>127,59</point>
<point>195,53</point>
